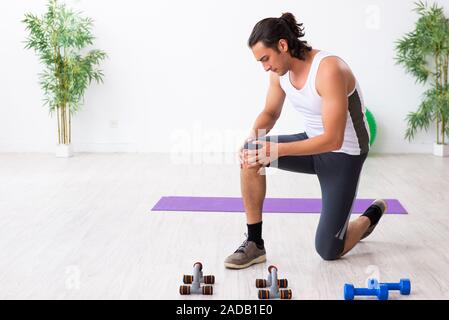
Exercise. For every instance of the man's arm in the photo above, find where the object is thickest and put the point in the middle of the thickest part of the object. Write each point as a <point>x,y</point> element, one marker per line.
<point>332,86</point>
<point>266,120</point>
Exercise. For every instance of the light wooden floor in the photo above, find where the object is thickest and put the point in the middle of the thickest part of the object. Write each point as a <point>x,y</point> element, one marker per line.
<point>82,228</point>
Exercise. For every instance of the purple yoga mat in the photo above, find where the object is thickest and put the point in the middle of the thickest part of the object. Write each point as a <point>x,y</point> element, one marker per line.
<point>280,205</point>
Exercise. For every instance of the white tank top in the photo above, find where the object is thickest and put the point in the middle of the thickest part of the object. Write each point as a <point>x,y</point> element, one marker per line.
<point>309,103</point>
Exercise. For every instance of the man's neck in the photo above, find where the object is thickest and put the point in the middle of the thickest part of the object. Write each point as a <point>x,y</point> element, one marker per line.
<point>299,66</point>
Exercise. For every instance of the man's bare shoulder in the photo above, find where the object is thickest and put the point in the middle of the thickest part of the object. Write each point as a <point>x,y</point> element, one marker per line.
<point>332,73</point>
<point>332,66</point>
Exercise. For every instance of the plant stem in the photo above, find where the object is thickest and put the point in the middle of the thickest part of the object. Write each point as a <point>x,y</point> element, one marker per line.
<point>443,126</point>
<point>66,126</point>
<point>70,128</point>
<point>67,123</point>
<point>440,93</point>
<point>438,130</point>
<point>59,126</point>
<point>63,123</point>
<point>445,69</point>
<point>65,87</point>
<point>437,85</point>
<point>445,83</point>
<point>57,106</point>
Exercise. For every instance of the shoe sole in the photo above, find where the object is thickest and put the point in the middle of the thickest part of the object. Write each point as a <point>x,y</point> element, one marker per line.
<point>246,265</point>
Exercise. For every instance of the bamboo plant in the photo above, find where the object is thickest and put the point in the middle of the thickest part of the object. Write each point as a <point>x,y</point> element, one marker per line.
<point>424,53</point>
<point>58,38</point>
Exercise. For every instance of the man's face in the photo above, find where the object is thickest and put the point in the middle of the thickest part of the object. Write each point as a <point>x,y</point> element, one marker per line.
<point>271,59</point>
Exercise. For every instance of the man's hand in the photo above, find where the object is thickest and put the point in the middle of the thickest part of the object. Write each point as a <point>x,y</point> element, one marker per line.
<point>242,148</point>
<point>265,153</point>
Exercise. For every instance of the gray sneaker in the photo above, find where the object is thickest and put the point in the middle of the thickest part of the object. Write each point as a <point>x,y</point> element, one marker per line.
<point>246,255</point>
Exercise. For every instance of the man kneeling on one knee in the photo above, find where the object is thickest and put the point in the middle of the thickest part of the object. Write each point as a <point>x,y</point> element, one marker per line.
<point>333,146</point>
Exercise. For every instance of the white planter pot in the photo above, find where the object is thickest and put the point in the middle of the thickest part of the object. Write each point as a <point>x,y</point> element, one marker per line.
<point>64,150</point>
<point>441,150</point>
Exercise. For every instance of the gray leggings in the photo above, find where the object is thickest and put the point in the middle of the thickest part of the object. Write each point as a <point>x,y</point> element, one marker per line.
<point>338,174</point>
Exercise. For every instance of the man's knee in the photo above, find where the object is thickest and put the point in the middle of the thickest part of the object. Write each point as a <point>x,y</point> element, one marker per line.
<point>258,168</point>
<point>327,254</point>
<point>328,249</point>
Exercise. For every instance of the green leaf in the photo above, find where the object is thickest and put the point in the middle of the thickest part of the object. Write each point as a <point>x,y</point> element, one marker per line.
<point>422,53</point>
<point>59,37</point>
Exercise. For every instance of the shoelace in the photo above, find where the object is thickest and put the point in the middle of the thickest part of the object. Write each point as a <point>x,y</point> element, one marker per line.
<point>243,245</point>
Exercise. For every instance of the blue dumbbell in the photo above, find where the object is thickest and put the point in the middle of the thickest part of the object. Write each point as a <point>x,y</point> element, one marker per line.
<point>403,286</point>
<point>350,292</point>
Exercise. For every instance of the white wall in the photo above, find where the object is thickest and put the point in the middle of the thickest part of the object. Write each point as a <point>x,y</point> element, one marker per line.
<point>179,67</point>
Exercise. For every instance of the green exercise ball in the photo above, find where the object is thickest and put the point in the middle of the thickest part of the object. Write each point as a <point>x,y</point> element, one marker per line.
<point>372,126</point>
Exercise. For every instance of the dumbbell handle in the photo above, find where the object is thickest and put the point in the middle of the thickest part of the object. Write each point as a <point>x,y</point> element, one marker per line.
<point>403,287</point>
<point>366,292</point>
<point>392,285</point>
